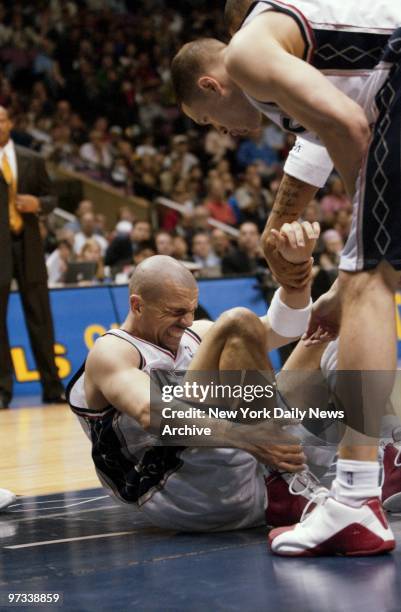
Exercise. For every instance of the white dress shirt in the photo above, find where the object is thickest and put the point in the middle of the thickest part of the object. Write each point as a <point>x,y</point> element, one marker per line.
<point>9,150</point>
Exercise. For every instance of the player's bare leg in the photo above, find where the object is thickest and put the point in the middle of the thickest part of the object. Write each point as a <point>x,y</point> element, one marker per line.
<point>235,342</point>
<point>352,521</point>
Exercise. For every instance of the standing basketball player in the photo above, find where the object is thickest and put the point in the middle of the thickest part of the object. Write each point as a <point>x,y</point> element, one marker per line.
<point>329,71</point>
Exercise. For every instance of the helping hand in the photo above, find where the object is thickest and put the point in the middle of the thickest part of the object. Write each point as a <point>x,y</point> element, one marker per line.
<point>295,241</point>
<point>324,322</point>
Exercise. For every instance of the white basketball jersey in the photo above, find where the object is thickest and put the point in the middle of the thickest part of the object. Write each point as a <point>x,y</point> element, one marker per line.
<point>345,41</point>
<point>181,488</point>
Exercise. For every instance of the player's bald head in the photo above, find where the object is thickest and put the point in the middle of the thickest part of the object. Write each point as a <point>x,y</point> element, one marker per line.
<point>235,12</point>
<point>155,277</point>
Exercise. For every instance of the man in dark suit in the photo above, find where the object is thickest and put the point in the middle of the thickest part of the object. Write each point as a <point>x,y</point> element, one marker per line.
<point>25,191</point>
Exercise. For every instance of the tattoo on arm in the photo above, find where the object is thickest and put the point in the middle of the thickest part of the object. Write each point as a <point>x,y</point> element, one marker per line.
<point>291,199</point>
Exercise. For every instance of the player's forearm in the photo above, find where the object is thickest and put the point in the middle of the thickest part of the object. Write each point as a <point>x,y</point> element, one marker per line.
<point>291,200</point>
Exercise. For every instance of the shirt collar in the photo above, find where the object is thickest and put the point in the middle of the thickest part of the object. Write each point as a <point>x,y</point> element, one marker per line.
<point>8,149</point>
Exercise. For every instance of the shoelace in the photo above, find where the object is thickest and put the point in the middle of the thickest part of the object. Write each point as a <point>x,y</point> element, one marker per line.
<point>397,445</point>
<point>312,488</point>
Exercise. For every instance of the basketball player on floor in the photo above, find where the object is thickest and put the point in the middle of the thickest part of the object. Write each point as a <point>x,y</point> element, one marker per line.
<point>302,66</point>
<point>178,487</point>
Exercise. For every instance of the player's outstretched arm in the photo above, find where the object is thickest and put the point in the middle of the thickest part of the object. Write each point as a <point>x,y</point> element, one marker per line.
<point>289,310</point>
<point>261,59</point>
<point>292,198</point>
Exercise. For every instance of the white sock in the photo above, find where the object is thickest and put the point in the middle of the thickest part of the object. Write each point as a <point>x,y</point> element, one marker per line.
<point>390,422</point>
<point>356,481</point>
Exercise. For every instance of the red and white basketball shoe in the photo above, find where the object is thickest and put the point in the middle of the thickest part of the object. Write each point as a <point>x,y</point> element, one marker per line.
<point>334,528</point>
<point>391,487</point>
<point>291,496</point>
<point>6,498</point>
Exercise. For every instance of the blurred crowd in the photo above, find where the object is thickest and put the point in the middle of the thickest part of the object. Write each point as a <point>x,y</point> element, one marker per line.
<point>88,86</point>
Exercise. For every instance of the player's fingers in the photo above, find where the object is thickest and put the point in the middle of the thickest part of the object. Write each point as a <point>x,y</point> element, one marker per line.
<point>287,448</point>
<point>308,230</point>
<point>296,457</point>
<point>299,234</point>
<point>288,232</point>
<point>312,327</point>
<point>316,229</point>
<point>291,467</point>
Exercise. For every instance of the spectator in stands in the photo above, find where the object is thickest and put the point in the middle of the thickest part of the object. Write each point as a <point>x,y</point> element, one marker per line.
<point>145,249</point>
<point>342,223</point>
<point>180,152</point>
<point>57,262</point>
<point>88,230</point>
<point>273,137</point>
<point>200,219</point>
<point>126,241</point>
<point>333,244</point>
<point>217,204</point>
<point>254,150</point>
<point>125,213</point>
<point>217,145</point>
<point>247,258</point>
<point>312,212</point>
<point>181,250</point>
<point>336,199</point>
<point>202,252</point>
<point>254,202</point>
<point>141,232</point>
<point>84,206</point>
<point>164,243</point>
<point>221,243</point>
<point>326,270</point>
<point>101,225</point>
<point>96,153</point>
<point>91,252</point>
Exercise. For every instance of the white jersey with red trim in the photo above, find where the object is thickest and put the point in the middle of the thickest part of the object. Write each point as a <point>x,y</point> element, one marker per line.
<point>345,41</point>
<point>201,489</point>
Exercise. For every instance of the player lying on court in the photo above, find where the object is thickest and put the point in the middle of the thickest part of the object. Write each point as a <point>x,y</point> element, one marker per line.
<point>331,73</point>
<point>191,488</point>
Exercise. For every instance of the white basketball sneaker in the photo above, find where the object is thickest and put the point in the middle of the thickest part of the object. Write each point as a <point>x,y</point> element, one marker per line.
<point>334,528</point>
<point>6,498</point>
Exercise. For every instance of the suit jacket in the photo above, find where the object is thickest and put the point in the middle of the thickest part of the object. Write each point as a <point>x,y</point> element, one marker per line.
<point>32,180</point>
<point>238,262</point>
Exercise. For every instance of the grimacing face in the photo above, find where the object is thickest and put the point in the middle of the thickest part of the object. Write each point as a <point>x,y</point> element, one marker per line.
<point>165,320</point>
<point>231,113</point>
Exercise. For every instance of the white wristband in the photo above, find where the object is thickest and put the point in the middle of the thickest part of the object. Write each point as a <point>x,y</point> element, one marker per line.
<point>286,321</point>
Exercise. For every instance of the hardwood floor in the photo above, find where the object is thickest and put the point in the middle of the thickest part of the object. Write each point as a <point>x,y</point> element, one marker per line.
<point>44,450</point>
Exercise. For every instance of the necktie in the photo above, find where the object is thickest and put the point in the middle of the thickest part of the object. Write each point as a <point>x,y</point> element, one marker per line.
<point>15,217</point>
